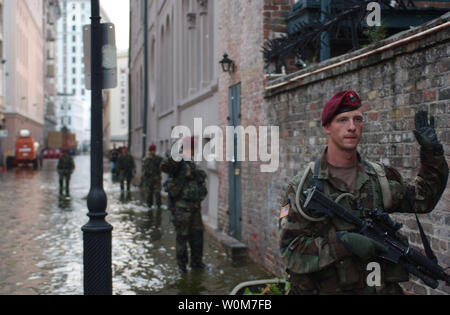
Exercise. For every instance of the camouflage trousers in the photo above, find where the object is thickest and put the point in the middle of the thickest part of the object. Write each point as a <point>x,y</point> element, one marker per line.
<point>189,230</point>
<point>64,182</point>
<point>153,190</point>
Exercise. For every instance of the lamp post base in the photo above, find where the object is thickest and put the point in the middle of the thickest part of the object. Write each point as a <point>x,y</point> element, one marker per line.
<point>97,256</point>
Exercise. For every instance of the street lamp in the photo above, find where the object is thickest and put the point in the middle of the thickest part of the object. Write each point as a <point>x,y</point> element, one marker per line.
<point>97,232</point>
<point>227,64</point>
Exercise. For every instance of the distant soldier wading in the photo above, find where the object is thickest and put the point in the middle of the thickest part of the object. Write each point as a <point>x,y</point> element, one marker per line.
<point>65,168</point>
<point>186,188</point>
<point>126,169</point>
<point>151,176</point>
<point>327,256</point>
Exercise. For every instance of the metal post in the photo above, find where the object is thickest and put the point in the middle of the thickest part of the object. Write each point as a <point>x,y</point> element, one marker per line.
<point>324,37</point>
<point>144,123</point>
<point>97,232</point>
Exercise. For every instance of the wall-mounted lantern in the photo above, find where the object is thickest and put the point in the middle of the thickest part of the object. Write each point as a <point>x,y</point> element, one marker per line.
<point>227,64</point>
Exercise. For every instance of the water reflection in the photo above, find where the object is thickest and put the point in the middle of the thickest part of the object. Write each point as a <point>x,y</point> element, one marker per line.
<point>41,248</point>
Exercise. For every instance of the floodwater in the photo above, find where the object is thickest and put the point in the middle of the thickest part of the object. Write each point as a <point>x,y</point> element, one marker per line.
<point>41,247</point>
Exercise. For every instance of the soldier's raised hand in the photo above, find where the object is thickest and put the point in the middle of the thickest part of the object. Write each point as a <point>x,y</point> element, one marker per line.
<point>424,131</point>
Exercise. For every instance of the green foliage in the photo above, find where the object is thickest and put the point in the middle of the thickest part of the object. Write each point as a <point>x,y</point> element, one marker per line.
<point>376,34</point>
<point>269,289</point>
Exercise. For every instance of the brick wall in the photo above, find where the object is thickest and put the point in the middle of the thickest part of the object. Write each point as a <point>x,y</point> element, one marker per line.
<point>393,84</point>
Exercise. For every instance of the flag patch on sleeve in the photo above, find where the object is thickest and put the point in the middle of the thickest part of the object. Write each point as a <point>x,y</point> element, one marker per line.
<point>284,211</point>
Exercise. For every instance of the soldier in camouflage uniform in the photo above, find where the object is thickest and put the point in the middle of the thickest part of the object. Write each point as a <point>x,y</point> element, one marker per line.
<point>326,256</point>
<point>186,189</point>
<point>126,169</point>
<point>65,169</point>
<point>151,176</point>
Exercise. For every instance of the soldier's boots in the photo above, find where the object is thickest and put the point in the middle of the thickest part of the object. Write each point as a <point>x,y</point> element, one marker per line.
<point>182,269</point>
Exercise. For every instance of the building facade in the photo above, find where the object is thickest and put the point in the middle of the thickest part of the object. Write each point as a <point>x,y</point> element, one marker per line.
<point>24,48</point>
<point>2,83</point>
<point>174,78</point>
<point>72,97</point>
<point>246,203</point>
<point>52,13</point>
<point>119,103</point>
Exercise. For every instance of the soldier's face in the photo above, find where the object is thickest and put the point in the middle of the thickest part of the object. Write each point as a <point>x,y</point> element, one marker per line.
<point>345,130</point>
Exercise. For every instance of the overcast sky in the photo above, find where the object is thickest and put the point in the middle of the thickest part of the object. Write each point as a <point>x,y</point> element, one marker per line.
<point>119,14</point>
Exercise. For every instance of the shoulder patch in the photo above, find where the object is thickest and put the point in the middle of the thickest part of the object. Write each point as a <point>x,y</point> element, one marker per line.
<point>284,211</point>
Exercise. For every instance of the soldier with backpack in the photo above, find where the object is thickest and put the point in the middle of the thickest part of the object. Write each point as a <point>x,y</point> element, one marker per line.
<point>186,188</point>
<point>126,169</point>
<point>151,176</point>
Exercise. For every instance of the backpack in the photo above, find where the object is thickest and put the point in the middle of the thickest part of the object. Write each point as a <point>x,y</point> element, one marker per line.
<point>194,190</point>
<point>191,190</point>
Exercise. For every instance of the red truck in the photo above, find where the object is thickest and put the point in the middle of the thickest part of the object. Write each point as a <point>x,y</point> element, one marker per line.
<point>26,151</point>
<point>56,141</point>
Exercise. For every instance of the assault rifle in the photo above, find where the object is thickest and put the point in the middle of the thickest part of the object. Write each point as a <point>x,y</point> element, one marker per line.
<point>381,228</point>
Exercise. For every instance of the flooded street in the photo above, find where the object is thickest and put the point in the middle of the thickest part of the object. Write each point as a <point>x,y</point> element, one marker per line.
<point>41,248</point>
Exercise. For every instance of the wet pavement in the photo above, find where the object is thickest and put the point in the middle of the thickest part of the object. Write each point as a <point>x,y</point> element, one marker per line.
<point>41,246</point>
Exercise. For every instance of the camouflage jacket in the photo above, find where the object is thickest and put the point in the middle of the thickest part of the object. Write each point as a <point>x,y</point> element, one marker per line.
<point>309,249</point>
<point>65,165</point>
<point>126,166</point>
<point>186,184</point>
<point>151,171</point>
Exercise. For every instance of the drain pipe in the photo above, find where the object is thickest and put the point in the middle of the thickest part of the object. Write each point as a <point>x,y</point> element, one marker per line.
<point>129,88</point>
<point>144,125</point>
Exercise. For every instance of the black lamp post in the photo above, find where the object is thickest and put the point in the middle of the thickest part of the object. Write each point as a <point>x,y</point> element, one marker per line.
<point>227,64</point>
<point>97,232</point>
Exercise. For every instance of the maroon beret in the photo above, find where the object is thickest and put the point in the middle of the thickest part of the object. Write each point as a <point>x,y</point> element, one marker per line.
<point>341,102</point>
<point>152,148</point>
